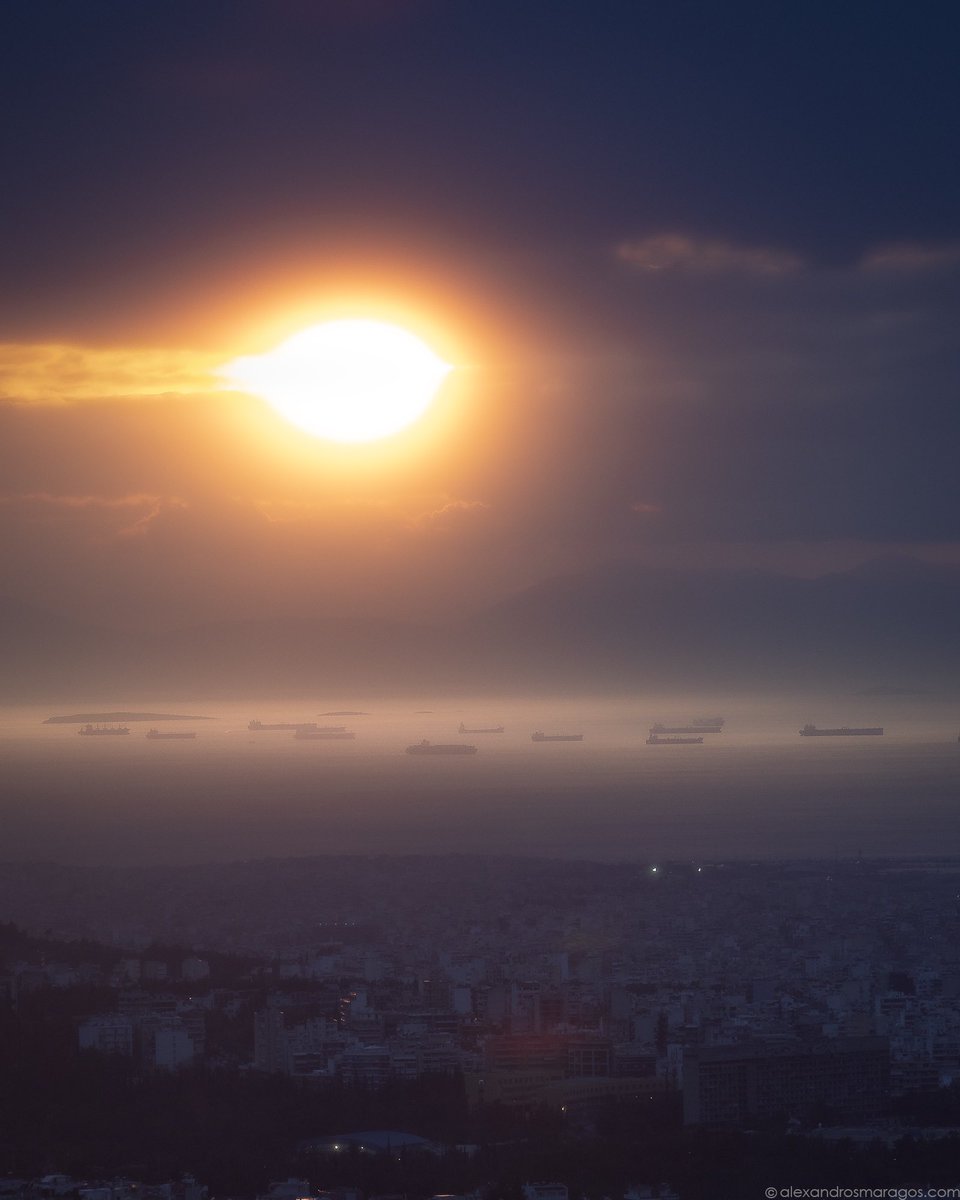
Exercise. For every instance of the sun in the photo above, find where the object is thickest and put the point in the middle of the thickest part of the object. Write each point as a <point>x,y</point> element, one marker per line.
<point>348,381</point>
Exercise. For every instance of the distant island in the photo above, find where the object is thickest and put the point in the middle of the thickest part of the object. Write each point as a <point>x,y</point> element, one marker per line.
<point>343,712</point>
<point>85,718</point>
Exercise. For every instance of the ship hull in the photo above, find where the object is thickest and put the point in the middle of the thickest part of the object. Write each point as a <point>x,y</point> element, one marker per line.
<point>842,731</point>
<point>455,748</point>
<point>656,740</point>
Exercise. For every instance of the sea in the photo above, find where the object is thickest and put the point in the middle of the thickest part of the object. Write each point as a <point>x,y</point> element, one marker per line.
<point>755,791</point>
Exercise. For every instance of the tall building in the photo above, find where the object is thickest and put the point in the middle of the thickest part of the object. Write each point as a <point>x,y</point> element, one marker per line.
<point>108,1034</point>
<point>269,1040</point>
<point>173,1049</point>
<point>730,1086</point>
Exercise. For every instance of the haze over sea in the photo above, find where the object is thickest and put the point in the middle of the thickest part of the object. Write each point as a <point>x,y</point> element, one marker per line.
<point>757,790</point>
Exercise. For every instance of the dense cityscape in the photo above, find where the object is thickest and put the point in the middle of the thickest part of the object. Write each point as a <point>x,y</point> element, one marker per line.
<point>428,1025</point>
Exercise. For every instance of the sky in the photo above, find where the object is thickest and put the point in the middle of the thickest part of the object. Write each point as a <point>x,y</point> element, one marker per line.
<point>696,265</point>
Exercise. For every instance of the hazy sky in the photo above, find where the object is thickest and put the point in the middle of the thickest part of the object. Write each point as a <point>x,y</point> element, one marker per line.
<point>698,266</point>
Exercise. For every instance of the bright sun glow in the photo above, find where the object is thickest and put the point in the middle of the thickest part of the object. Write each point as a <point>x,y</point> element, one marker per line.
<point>350,381</point>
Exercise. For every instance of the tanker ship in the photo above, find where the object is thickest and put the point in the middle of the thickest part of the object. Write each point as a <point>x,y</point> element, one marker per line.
<point>841,731</point>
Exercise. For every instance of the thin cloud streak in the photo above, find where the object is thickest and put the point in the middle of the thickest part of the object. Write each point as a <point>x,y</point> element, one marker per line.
<point>60,374</point>
<point>912,257</point>
<point>138,500</point>
<point>451,513</point>
<point>681,252</point>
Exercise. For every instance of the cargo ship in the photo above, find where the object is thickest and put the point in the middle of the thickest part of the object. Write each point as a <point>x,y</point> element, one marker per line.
<point>697,727</point>
<point>332,733</point>
<point>841,731</point>
<point>102,730</point>
<point>259,727</point>
<point>426,747</point>
<point>172,735</point>
<point>480,729</point>
<point>540,736</point>
<point>655,739</point>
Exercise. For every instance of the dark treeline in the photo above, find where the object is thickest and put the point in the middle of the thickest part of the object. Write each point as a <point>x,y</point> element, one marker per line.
<point>95,1116</point>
